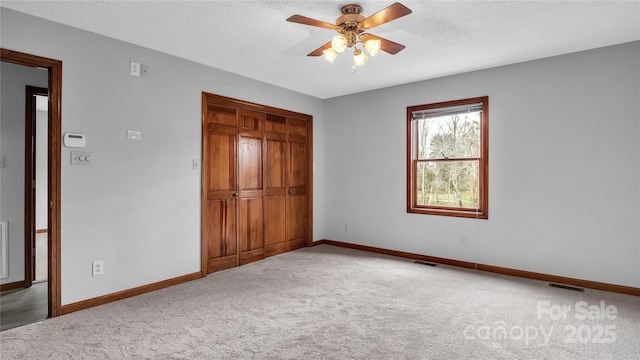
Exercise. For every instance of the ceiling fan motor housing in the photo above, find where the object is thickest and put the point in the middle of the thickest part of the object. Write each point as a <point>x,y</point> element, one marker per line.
<point>350,16</point>
<point>349,23</point>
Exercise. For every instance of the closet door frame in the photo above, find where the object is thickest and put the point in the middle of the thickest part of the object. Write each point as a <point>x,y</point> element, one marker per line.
<point>208,98</point>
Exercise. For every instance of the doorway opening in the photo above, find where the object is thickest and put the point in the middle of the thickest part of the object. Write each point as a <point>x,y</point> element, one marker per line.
<point>36,189</point>
<point>51,208</point>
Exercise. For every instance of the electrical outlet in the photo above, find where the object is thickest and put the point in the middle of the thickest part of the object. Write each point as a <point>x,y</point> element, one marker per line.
<point>134,68</point>
<point>144,70</point>
<point>464,240</point>
<point>97,267</point>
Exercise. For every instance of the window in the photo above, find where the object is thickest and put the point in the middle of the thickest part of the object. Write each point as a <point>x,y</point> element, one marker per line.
<point>447,158</point>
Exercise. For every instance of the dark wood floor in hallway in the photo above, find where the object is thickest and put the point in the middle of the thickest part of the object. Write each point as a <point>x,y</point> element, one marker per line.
<point>23,306</point>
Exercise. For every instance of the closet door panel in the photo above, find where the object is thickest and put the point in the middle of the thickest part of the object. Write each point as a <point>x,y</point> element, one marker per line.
<point>250,163</point>
<point>276,185</point>
<point>222,162</point>
<point>251,225</point>
<point>276,164</point>
<point>297,184</point>
<point>223,249</point>
<point>274,225</point>
<point>297,222</point>
<point>220,143</point>
<point>221,115</point>
<point>251,178</point>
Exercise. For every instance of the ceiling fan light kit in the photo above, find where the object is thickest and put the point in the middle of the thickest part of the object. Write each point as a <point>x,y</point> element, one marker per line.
<point>359,58</point>
<point>351,27</point>
<point>339,43</point>
<point>330,54</point>
<point>372,46</point>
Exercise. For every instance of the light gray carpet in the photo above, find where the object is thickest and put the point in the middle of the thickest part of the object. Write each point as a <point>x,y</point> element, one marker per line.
<point>333,303</point>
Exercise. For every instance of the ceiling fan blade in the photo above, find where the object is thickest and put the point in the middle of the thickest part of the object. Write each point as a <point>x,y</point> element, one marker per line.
<point>385,15</point>
<point>385,45</point>
<point>318,51</point>
<point>312,22</point>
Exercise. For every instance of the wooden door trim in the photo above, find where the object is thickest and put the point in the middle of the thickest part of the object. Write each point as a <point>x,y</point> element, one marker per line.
<point>29,182</point>
<point>204,192</point>
<point>54,70</point>
<point>309,182</point>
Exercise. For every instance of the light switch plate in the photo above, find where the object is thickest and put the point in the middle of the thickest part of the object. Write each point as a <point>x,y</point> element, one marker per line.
<point>81,158</point>
<point>134,135</point>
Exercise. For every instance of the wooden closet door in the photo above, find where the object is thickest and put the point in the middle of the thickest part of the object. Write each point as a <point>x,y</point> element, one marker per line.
<point>275,199</point>
<point>251,177</point>
<point>256,186</point>
<point>220,181</point>
<point>297,181</point>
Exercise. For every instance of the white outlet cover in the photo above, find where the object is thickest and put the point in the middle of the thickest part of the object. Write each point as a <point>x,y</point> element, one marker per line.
<point>97,268</point>
<point>135,68</point>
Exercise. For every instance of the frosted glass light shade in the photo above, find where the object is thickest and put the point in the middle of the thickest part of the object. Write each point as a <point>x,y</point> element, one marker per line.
<point>372,46</point>
<point>359,58</point>
<point>330,54</point>
<point>339,43</point>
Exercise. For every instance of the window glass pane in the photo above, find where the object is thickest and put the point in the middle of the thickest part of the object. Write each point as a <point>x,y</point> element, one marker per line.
<point>448,137</point>
<point>447,183</point>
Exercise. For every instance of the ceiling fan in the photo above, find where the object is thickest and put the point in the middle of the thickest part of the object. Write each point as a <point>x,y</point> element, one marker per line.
<point>351,28</point>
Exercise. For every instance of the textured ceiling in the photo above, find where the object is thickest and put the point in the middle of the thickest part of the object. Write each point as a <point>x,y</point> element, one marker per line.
<point>252,38</point>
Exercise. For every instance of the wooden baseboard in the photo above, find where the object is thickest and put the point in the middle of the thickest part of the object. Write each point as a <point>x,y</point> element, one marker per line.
<point>629,290</point>
<point>100,300</point>
<point>12,286</point>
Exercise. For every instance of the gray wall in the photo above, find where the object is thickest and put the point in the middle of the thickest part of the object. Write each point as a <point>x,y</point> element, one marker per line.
<point>564,168</point>
<point>14,78</point>
<point>138,207</point>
